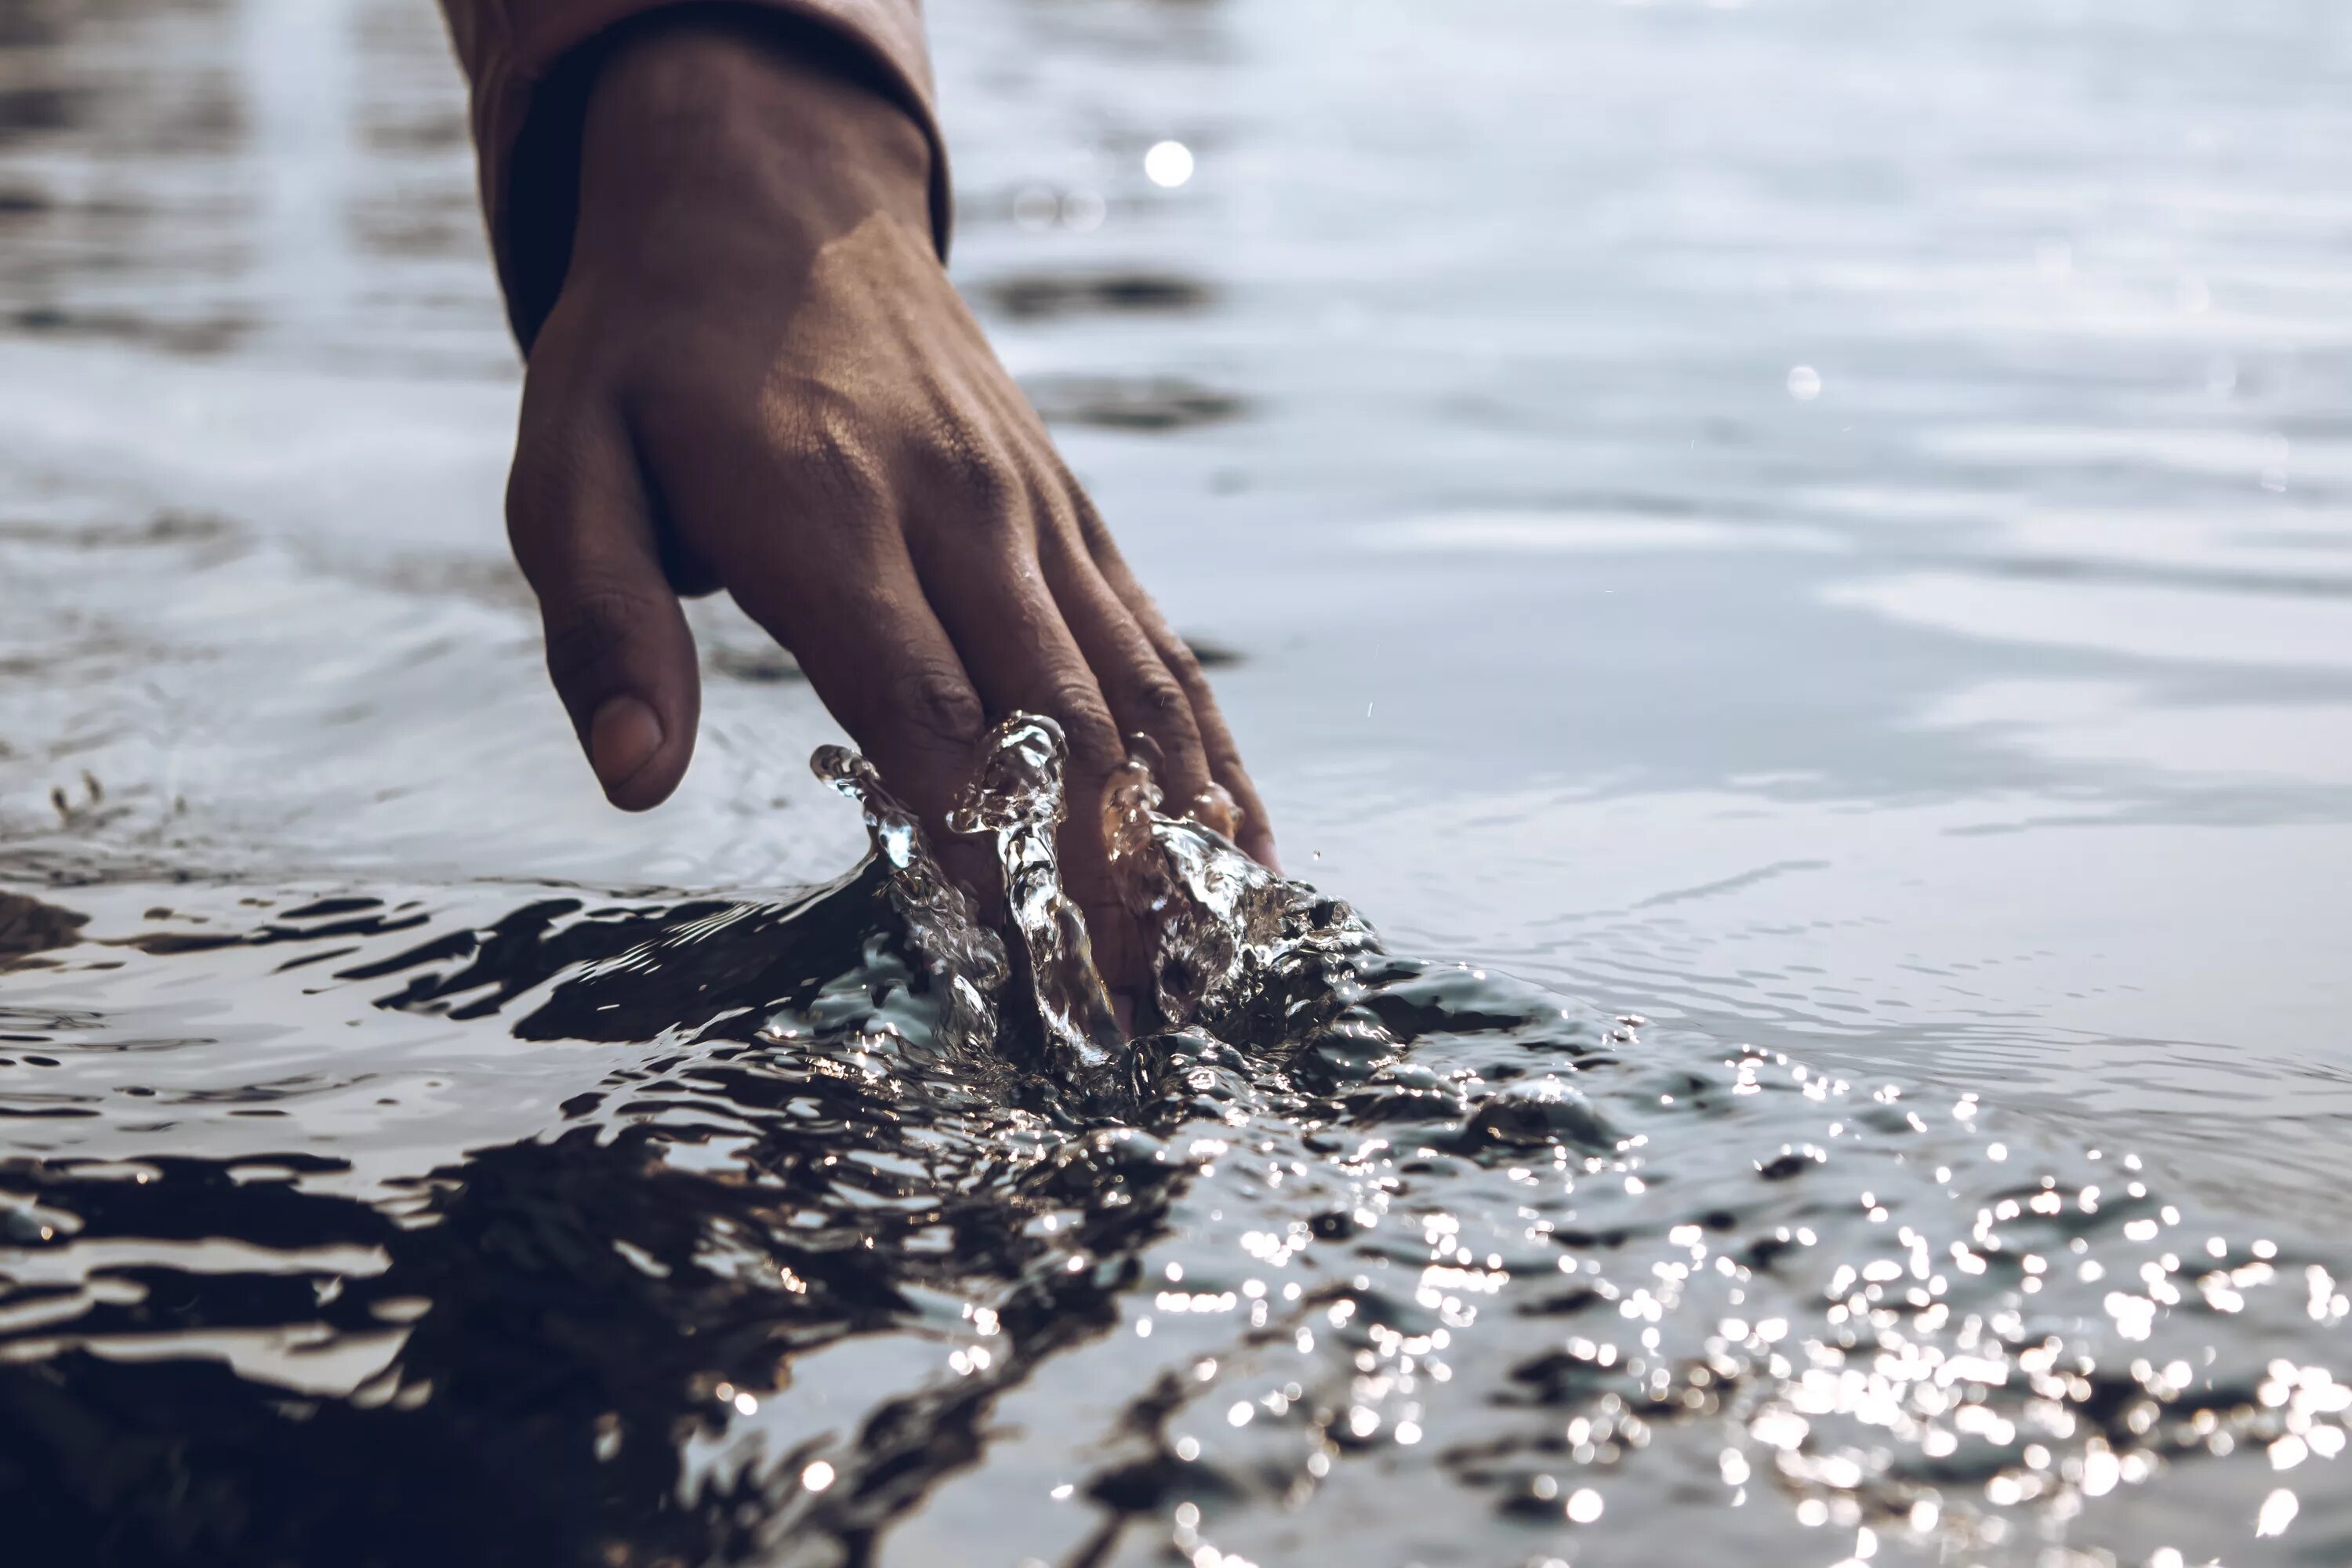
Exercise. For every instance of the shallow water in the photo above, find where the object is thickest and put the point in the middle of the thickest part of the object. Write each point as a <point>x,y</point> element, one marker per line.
<point>1965,742</point>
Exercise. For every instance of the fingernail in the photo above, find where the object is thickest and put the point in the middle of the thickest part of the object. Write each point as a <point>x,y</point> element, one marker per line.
<point>622,739</point>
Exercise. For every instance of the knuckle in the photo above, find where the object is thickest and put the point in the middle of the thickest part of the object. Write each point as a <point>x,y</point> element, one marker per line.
<point>1093,533</point>
<point>1091,527</point>
<point>973,466</point>
<point>1086,722</point>
<point>939,706</point>
<point>1161,704</point>
<point>1181,661</point>
<point>836,464</point>
<point>1183,668</point>
<point>830,449</point>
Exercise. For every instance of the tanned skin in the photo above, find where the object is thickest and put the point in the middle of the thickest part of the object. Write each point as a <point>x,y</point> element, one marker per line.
<point>757,379</point>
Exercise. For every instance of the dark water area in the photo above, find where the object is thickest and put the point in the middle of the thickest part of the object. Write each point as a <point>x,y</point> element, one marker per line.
<point>1791,558</point>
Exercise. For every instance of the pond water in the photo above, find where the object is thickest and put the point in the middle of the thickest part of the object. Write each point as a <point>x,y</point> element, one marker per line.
<point>1792,558</point>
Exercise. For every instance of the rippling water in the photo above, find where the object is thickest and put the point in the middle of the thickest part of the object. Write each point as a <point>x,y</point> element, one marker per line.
<point>1945,753</point>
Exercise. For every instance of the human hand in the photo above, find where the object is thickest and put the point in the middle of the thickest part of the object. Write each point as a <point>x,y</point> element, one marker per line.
<point>757,377</point>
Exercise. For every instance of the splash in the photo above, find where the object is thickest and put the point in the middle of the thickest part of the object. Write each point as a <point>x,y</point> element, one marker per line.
<point>1403,1254</point>
<point>1219,927</point>
<point>964,960</point>
<point>1017,798</point>
<point>1219,924</point>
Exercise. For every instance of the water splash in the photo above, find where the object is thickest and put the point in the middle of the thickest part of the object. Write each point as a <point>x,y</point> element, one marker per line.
<point>1401,1253</point>
<point>1219,924</point>
<point>963,958</point>
<point>1017,798</point>
<point>1219,927</point>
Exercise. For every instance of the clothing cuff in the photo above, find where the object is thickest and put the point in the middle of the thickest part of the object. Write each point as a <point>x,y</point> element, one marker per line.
<point>527,61</point>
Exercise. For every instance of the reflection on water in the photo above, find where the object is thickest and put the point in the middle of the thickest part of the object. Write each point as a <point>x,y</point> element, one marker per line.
<point>1044,295</point>
<point>275,175</point>
<point>782,1244</point>
<point>404,1155</point>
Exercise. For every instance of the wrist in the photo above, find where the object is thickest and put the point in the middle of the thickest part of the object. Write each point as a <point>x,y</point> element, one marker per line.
<point>704,124</point>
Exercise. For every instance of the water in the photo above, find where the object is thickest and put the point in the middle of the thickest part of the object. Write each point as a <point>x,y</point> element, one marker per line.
<point>1965,742</point>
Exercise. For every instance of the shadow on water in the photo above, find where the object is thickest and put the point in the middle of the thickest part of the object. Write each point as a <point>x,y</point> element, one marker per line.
<point>505,1360</point>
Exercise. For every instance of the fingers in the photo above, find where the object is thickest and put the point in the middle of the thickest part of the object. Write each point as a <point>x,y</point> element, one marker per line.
<point>984,582</point>
<point>983,576</point>
<point>860,626</point>
<point>619,649</point>
<point>975,533</point>
<point>863,633</point>
<point>1142,694</point>
<point>1222,757</point>
<point>792,511</point>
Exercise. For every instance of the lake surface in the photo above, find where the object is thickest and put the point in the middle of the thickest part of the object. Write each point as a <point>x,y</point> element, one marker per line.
<point>1824,528</point>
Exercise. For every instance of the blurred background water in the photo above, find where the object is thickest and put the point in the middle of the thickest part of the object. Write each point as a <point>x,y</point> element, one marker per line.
<point>1820,524</point>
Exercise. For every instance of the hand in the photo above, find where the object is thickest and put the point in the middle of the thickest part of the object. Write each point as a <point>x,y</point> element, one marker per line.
<point>757,377</point>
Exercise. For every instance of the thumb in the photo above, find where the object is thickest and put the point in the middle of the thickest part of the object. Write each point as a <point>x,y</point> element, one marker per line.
<point>617,644</point>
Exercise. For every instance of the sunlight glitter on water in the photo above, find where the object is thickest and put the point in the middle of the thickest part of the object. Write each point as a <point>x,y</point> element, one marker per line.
<point>1368,1206</point>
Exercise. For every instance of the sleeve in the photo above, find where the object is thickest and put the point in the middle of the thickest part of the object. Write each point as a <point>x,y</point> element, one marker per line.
<point>513,52</point>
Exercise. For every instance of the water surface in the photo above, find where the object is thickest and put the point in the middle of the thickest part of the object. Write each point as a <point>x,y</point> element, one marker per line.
<point>1967,740</point>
